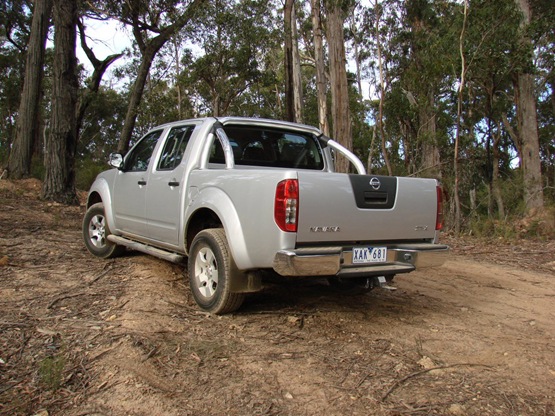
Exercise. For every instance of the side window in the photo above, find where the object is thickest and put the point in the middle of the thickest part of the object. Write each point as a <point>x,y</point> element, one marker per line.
<point>139,158</point>
<point>174,148</point>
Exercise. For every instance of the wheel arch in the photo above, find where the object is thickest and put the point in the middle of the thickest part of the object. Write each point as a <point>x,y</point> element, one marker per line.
<point>94,198</point>
<point>214,209</point>
<point>201,219</point>
<point>100,193</point>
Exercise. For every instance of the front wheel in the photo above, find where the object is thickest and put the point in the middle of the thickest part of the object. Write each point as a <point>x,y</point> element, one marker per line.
<point>95,231</point>
<point>210,273</point>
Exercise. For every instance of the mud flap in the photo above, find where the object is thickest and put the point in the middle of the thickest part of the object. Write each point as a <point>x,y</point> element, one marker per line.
<point>245,282</point>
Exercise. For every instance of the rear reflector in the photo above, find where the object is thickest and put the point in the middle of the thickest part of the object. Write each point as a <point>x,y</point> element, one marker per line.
<point>286,205</point>
<point>439,215</point>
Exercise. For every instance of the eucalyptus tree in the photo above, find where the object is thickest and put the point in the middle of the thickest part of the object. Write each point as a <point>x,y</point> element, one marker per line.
<point>11,69</point>
<point>153,24</point>
<point>527,114</point>
<point>336,14</point>
<point>238,42</point>
<point>487,99</point>
<point>292,64</point>
<point>93,83</point>
<point>27,124</point>
<point>61,142</point>
<point>319,63</point>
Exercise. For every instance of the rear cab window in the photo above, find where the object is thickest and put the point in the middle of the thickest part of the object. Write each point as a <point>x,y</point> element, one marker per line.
<point>270,147</point>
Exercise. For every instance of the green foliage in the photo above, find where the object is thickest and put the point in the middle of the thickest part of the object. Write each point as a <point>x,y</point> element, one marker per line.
<point>51,371</point>
<point>229,61</point>
<point>12,67</point>
<point>87,171</point>
<point>102,125</point>
<point>485,227</point>
<point>234,69</point>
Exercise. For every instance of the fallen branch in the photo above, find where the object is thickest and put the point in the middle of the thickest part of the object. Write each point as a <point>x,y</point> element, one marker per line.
<point>98,277</point>
<point>59,298</point>
<point>427,370</point>
<point>152,352</point>
<point>11,386</point>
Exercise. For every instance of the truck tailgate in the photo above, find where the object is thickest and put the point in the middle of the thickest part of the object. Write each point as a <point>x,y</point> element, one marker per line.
<point>338,207</point>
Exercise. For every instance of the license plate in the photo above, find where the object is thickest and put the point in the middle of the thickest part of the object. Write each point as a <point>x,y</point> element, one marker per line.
<point>363,255</point>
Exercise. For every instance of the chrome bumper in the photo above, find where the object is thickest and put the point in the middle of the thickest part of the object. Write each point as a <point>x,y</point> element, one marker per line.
<point>338,261</point>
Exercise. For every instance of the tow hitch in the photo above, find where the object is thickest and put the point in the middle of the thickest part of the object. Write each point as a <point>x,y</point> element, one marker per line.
<point>379,281</point>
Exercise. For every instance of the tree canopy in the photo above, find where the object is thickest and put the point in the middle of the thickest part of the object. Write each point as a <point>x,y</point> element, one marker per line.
<point>462,91</point>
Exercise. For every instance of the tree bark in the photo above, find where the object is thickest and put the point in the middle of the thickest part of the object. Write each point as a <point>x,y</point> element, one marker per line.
<point>431,160</point>
<point>321,81</point>
<point>382,90</point>
<point>293,87</point>
<point>462,81</point>
<point>27,124</point>
<point>528,123</point>
<point>495,179</point>
<point>341,114</point>
<point>356,48</point>
<point>60,145</point>
<point>297,81</point>
<point>149,48</point>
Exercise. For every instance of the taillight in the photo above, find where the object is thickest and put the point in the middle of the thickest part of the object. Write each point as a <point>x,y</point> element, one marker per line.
<point>286,205</point>
<point>439,215</point>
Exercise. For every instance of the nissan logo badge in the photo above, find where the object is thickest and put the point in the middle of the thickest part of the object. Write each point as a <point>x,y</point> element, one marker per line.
<point>375,183</point>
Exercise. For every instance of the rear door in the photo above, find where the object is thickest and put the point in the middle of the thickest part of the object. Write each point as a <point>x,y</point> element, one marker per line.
<point>164,195</point>
<point>130,185</point>
<point>336,207</point>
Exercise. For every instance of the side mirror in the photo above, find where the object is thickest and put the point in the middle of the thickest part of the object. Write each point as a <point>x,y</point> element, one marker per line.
<point>116,160</point>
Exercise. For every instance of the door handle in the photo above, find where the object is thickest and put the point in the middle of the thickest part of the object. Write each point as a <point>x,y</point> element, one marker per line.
<point>142,182</point>
<point>173,183</point>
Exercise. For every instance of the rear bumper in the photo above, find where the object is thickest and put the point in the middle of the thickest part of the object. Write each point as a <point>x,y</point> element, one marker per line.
<point>338,261</point>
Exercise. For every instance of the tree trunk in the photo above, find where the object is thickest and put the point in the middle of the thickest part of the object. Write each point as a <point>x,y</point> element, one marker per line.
<point>297,81</point>
<point>382,90</point>
<point>341,114</point>
<point>462,82</point>
<point>528,124</point>
<point>293,88</point>
<point>431,161</point>
<point>136,96</point>
<point>59,157</point>
<point>93,83</point>
<point>356,48</point>
<point>495,184</point>
<point>528,132</point>
<point>321,84</point>
<point>28,125</point>
<point>149,49</point>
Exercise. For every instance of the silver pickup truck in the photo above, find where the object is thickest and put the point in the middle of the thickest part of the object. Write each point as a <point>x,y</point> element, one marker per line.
<point>240,197</point>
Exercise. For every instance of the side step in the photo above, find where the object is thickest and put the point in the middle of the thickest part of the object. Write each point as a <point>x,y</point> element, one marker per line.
<point>153,251</point>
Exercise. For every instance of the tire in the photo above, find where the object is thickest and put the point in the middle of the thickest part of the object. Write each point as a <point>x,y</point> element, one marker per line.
<point>95,231</point>
<point>210,273</point>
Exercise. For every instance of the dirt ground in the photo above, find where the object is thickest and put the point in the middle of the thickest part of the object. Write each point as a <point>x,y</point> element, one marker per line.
<point>82,336</point>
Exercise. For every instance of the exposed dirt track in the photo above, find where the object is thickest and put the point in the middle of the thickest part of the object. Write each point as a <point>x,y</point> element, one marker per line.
<point>82,336</point>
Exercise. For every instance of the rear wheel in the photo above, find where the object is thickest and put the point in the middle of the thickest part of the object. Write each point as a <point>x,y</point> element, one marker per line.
<point>96,231</point>
<point>210,273</point>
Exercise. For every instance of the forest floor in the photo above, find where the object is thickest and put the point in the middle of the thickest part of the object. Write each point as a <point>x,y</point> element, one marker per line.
<point>82,336</point>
